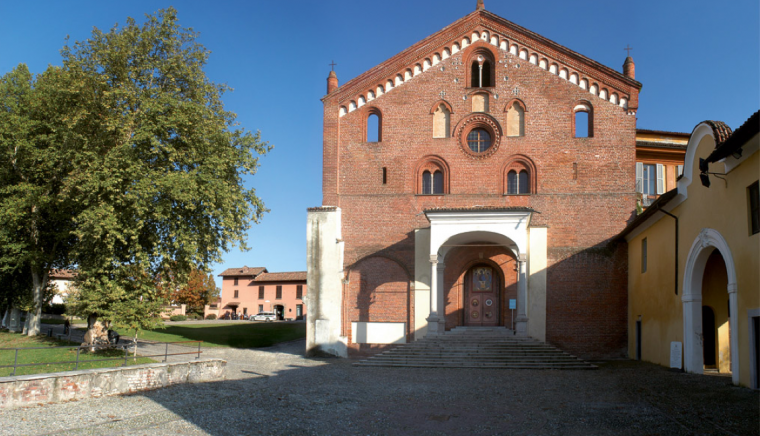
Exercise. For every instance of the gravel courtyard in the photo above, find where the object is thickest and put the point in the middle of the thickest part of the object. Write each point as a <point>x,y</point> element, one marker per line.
<point>277,391</point>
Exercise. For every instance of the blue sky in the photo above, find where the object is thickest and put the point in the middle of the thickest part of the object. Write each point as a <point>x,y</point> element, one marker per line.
<point>697,60</point>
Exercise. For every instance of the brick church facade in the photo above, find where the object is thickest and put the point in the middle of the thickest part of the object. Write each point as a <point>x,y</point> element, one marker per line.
<point>475,179</point>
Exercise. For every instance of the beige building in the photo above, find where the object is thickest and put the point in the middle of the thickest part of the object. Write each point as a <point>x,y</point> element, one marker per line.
<point>693,260</point>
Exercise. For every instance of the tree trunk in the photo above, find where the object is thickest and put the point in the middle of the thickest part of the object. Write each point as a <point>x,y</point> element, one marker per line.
<point>38,285</point>
<point>25,330</point>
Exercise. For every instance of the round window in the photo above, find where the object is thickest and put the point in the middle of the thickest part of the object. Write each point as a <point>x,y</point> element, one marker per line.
<point>478,135</point>
<point>479,140</point>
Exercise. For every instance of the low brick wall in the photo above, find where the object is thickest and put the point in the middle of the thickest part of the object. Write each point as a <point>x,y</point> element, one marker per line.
<point>78,385</point>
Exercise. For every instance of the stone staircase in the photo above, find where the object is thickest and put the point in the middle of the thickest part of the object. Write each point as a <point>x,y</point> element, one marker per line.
<point>477,347</point>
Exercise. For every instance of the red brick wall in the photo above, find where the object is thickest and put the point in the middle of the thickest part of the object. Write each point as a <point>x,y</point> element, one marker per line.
<point>378,290</point>
<point>582,211</point>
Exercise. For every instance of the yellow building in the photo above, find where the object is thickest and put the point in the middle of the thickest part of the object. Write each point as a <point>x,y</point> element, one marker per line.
<point>694,260</point>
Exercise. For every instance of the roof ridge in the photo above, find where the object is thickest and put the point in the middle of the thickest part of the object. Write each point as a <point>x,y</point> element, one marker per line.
<point>425,49</point>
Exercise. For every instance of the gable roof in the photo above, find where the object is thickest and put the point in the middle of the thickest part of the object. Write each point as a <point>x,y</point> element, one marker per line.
<point>507,36</point>
<point>737,139</point>
<point>296,276</point>
<point>66,274</point>
<point>244,271</point>
<point>656,205</point>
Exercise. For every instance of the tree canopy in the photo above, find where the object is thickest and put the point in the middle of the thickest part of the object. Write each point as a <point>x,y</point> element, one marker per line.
<point>137,166</point>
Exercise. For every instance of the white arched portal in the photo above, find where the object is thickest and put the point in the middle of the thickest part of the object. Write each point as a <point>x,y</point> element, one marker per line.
<point>450,228</point>
<point>701,249</point>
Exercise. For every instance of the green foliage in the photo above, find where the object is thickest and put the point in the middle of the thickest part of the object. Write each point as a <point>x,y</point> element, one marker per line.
<point>211,316</point>
<point>178,318</point>
<point>124,163</point>
<point>194,316</point>
<point>54,309</point>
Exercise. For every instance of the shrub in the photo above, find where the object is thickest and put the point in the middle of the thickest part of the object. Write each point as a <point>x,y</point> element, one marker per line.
<point>54,309</point>
<point>211,316</point>
<point>194,316</point>
<point>178,318</point>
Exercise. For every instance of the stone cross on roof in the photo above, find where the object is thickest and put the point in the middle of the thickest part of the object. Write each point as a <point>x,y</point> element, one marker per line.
<point>628,48</point>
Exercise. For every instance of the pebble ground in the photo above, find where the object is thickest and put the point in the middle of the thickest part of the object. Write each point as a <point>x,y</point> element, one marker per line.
<point>276,391</point>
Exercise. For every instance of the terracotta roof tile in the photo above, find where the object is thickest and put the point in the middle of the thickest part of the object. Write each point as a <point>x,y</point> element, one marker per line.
<point>62,274</point>
<point>738,138</point>
<point>663,132</point>
<point>673,145</point>
<point>244,271</point>
<point>296,276</point>
<point>721,131</point>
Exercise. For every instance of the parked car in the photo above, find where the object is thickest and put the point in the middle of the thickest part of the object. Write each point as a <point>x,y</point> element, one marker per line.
<point>264,316</point>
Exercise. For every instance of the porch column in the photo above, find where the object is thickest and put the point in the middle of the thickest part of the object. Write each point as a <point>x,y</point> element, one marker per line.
<point>521,323</point>
<point>434,291</point>
<point>441,295</point>
<point>692,334</point>
<point>733,324</point>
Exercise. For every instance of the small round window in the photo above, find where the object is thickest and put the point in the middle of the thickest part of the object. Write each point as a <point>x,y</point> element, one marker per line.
<point>479,140</point>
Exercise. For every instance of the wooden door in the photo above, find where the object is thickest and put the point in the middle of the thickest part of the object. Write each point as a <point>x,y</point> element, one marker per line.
<point>482,296</point>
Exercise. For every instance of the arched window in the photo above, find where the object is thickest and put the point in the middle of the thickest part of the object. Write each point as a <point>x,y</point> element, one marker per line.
<point>479,140</point>
<point>481,68</point>
<point>515,119</point>
<point>441,121</point>
<point>583,120</point>
<point>432,173</point>
<point>520,176</point>
<point>432,184</point>
<point>374,126</point>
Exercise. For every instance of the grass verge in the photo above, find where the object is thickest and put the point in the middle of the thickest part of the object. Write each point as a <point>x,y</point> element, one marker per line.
<point>251,335</point>
<point>51,357</point>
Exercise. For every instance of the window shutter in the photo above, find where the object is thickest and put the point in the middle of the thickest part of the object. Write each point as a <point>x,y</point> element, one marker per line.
<point>639,177</point>
<point>660,179</point>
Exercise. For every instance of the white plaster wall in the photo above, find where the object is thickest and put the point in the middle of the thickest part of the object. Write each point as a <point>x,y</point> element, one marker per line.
<point>324,260</point>
<point>378,332</point>
<point>421,282</point>
<point>537,283</point>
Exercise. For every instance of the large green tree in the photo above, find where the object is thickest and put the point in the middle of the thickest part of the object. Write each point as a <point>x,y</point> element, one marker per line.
<point>152,166</point>
<point>35,214</point>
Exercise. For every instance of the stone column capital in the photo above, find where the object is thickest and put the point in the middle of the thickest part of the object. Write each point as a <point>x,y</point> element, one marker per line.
<point>434,258</point>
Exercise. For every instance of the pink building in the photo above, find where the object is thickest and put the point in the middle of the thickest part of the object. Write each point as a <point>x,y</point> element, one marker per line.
<point>248,291</point>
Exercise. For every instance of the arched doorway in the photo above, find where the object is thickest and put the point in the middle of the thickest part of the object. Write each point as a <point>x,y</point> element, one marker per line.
<point>710,280</point>
<point>716,331</point>
<point>482,296</point>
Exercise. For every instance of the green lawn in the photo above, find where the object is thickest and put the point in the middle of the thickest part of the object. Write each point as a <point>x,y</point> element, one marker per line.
<point>250,335</point>
<point>52,355</point>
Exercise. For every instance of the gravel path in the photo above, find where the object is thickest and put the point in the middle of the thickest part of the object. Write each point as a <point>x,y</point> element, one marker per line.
<point>277,391</point>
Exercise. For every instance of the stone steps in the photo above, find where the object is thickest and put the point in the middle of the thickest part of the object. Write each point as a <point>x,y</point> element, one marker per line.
<point>477,347</point>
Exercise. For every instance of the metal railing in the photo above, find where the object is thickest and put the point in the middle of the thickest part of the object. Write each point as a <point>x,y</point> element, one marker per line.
<point>128,347</point>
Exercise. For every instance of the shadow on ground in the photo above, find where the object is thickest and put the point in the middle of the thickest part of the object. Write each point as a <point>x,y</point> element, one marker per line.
<point>332,397</point>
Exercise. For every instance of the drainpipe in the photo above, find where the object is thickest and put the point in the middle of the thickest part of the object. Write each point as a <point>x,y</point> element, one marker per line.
<point>675,218</point>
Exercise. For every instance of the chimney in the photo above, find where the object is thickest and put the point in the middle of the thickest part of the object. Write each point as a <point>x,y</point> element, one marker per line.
<point>332,82</point>
<point>629,69</point>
